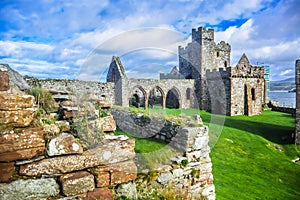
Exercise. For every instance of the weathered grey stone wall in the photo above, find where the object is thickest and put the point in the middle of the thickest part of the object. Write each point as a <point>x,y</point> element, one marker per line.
<point>219,85</point>
<point>235,96</point>
<point>145,127</point>
<point>200,55</point>
<point>91,89</point>
<point>288,110</point>
<point>242,102</point>
<point>222,55</point>
<point>116,70</point>
<point>236,90</point>
<point>191,172</point>
<point>125,88</point>
<point>297,135</point>
<point>174,74</point>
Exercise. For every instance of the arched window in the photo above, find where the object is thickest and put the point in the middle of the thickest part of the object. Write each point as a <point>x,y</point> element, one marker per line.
<point>188,93</point>
<point>172,99</point>
<point>113,75</point>
<point>225,64</point>
<point>218,54</point>
<point>137,97</point>
<point>253,93</point>
<point>155,97</point>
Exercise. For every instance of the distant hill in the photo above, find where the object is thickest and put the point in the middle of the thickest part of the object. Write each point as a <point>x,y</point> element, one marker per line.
<point>285,84</point>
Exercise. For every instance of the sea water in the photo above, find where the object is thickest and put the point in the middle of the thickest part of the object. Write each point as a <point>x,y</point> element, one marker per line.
<point>284,98</point>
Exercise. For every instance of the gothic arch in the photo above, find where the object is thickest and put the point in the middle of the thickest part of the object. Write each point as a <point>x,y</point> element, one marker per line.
<point>173,98</point>
<point>138,97</point>
<point>156,97</point>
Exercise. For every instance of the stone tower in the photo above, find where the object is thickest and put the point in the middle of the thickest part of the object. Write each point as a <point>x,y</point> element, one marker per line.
<point>200,55</point>
<point>297,131</point>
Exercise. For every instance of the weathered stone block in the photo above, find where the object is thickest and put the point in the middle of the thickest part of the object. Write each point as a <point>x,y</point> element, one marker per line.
<point>113,151</point>
<point>16,102</point>
<point>6,171</point>
<point>115,173</point>
<point>30,189</point>
<point>104,104</point>
<point>128,190</point>
<point>4,81</point>
<point>200,142</point>
<point>165,178</point>
<point>98,193</point>
<point>103,178</point>
<point>21,144</point>
<point>77,183</point>
<point>178,173</point>
<point>17,118</point>
<point>197,155</point>
<point>109,124</point>
<point>51,129</point>
<point>22,154</point>
<point>63,125</point>
<point>64,144</point>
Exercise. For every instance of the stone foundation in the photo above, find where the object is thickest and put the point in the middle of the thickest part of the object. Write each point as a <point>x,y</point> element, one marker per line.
<point>191,172</point>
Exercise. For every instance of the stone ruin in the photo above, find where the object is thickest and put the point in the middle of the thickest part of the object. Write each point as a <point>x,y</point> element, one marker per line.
<point>220,88</point>
<point>46,161</point>
<point>42,160</point>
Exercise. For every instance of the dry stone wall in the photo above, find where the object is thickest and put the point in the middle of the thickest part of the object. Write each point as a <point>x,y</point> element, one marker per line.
<point>47,162</point>
<point>189,173</point>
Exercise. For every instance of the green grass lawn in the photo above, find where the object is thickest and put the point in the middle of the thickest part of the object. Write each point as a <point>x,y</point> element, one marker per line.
<point>251,156</point>
<point>247,165</point>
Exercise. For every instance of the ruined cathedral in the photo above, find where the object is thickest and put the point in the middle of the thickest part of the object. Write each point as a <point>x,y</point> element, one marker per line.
<point>220,88</point>
<point>205,80</point>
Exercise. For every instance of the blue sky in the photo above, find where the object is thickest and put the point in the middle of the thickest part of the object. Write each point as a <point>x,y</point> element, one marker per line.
<point>77,38</point>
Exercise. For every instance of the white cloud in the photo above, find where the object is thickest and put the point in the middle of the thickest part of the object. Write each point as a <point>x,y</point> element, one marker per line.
<point>265,40</point>
<point>285,72</point>
<point>21,49</point>
<point>85,34</point>
<point>156,44</point>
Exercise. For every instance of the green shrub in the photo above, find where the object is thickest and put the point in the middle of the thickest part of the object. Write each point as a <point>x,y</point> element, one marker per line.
<point>43,99</point>
<point>184,163</point>
<point>46,120</point>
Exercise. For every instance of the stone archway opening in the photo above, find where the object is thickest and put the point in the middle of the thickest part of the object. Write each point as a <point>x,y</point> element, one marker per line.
<point>138,98</point>
<point>156,98</point>
<point>173,99</point>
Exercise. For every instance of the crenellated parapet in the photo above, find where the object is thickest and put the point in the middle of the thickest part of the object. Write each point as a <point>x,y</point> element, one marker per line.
<point>218,73</point>
<point>202,34</point>
<point>223,46</point>
<point>244,72</point>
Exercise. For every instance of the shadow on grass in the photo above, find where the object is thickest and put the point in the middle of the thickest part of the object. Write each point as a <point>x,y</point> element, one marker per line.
<point>275,133</point>
<point>268,126</point>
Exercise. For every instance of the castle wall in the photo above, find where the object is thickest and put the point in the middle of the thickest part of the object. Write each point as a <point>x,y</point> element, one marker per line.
<point>219,86</point>
<point>184,66</point>
<point>243,101</point>
<point>200,55</point>
<point>297,131</point>
<point>222,55</point>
